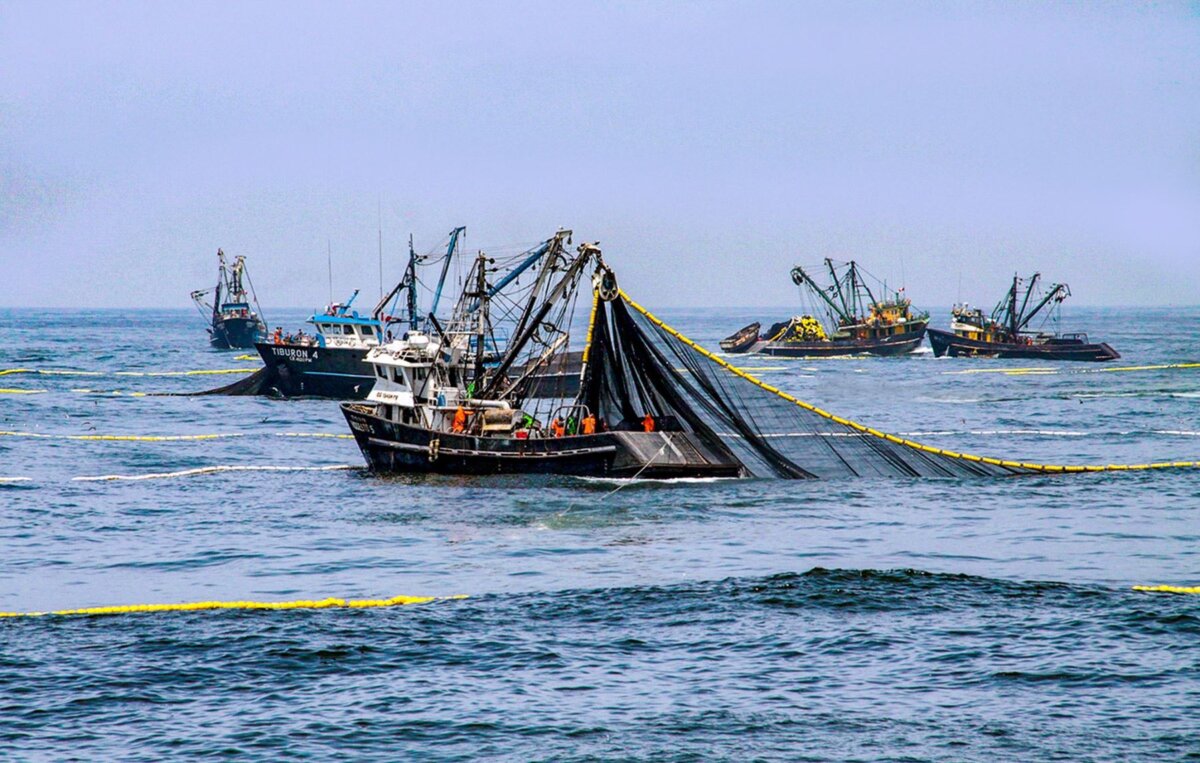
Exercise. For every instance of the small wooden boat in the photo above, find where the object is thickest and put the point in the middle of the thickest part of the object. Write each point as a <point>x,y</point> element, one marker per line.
<point>1004,333</point>
<point>743,340</point>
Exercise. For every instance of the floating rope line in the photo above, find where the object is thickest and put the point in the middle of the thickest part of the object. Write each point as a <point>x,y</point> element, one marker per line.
<point>200,606</point>
<point>1167,589</point>
<point>1060,371</point>
<point>198,372</point>
<point>316,434</point>
<point>170,437</point>
<point>213,470</point>
<point>124,437</point>
<point>15,391</point>
<point>1019,466</point>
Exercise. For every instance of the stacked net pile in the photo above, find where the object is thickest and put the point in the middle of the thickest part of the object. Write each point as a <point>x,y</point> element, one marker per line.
<point>640,366</point>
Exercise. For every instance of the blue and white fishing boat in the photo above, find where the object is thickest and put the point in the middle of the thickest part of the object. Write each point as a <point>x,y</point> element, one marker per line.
<point>331,362</point>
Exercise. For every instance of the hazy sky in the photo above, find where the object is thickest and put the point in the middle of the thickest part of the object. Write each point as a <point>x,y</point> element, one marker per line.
<point>708,146</point>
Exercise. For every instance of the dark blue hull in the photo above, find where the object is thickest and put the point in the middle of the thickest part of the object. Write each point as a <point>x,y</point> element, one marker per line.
<point>307,371</point>
<point>947,343</point>
<point>236,333</point>
<point>391,447</point>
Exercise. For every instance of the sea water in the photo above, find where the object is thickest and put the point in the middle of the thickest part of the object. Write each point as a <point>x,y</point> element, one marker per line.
<point>939,620</point>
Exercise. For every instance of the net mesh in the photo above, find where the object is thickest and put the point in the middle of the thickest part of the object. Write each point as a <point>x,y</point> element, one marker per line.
<point>640,366</point>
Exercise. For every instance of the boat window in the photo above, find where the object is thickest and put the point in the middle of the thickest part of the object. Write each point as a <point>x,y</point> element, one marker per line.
<point>347,329</point>
<point>368,331</point>
<point>381,372</point>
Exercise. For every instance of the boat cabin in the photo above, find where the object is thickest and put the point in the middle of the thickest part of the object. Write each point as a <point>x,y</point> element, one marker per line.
<point>339,326</point>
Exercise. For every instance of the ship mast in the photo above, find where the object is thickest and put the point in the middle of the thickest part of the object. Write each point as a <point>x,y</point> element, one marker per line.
<point>845,312</point>
<point>437,295</point>
<point>483,298</point>
<point>1020,319</point>
<point>560,291</point>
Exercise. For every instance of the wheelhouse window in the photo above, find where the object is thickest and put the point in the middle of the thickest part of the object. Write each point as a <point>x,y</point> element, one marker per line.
<point>368,331</point>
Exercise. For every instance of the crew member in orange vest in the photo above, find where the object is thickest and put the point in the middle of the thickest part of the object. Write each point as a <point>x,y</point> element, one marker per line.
<point>556,427</point>
<point>648,423</point>
<point>589,424</point>
<point>278,335</point>
<point>460,420</point>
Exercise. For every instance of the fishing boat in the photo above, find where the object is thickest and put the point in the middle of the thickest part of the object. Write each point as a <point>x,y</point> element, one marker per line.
<point>858,322</point>
<point>331,361</point>
<point>1005,332</point>
<point>437,406</point>
<point>234,315</point>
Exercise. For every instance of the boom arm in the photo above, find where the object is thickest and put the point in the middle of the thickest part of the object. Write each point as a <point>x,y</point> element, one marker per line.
<point>1059,292</point>
<point>437,295</point>
<point>586,253</point>
<point>800,278</point>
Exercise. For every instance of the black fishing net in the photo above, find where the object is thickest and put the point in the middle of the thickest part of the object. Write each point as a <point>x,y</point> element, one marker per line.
<point>638,366</point>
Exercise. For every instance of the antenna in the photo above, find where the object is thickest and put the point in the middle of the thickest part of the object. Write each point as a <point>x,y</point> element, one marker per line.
<point>329,260</point>
<point>380,209</point>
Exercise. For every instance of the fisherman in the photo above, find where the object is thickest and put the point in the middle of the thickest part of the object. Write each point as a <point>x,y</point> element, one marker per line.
<point>460,420</point>
<point>556,427</point>
<point>648,423</point>
<point>589,424</point>
<point>279,335</point>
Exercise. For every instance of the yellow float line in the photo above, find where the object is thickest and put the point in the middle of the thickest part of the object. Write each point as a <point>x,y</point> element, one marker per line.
<point>1016,465</point>
<point>587,343</point>
<point>199,606</point>
<point>167,437</point>
<point>1167,589</point>
<point>124,437</point>
<point>14,391</point>
<point>200,372</point>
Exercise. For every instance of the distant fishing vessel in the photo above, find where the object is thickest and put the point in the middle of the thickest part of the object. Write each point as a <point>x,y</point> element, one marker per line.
<point>437,406</point>
<point>859,322</point>
<point>1004,333</point>
<point>234,315</point>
